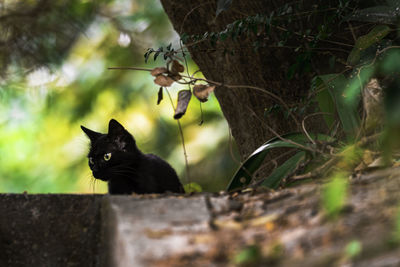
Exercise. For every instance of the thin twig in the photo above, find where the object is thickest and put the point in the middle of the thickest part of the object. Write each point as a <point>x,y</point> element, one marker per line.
<point>272,95</point>
<point>187,14</point>
<point>368,139</point>
<point>352,31</point>
<point>303,124</point>
<point>280,137</point>
<point>317,171</point>
<point>263,90</point>
<point>363,142</point>
<point>182,139</point>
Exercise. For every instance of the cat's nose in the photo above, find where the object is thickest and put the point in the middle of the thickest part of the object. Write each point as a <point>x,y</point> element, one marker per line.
<point>95,168</point>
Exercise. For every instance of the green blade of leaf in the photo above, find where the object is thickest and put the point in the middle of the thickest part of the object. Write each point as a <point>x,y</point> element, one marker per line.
<point>334,194</point>
<point>325,102</point>
<point>393,3</point>
<point>346,108</point>
<point>282,171</point>
<point>244,174</point>
<point>376,14</point>
<point>365,41</point>
<point>192,187</point>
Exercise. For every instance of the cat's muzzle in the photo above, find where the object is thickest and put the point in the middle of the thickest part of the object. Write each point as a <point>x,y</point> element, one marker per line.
<point>99,176</point>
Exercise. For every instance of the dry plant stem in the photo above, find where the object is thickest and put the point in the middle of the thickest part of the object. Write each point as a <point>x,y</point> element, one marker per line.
<point>303,124</point>
<point>331,162</point>
<point>352,31</point>
<point>379,52</point>
<point>272,95</point>
<point>190,12</point>
<point>360,130</point>
<point>321,87</point>
<point>182,139</point>
<point>368,139</point>
<point>280,137</point>
<point>305,131</point>
<point>194,80</point>
<point>274,161</point>
<point>269,46</point>
<point>319,171</point>
<point>309,37</point>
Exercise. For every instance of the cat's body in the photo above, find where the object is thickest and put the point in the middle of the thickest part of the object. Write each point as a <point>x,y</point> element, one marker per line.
<point>115,158</point>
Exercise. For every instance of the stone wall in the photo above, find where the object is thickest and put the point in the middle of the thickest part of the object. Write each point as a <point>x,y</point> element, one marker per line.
<point>256,228</point>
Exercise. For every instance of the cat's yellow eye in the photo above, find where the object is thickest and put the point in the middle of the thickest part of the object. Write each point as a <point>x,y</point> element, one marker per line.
<point>91,160</point>
<point>107,156</point>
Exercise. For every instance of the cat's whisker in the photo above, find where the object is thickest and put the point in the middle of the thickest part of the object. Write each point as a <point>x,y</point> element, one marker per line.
<point>90,179</point>
<point>94,185</point>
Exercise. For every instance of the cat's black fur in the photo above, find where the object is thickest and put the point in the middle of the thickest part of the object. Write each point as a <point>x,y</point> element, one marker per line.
<point>127,169</point>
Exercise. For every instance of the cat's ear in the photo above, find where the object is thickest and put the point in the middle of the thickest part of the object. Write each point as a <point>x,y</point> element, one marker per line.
<point>93,136</point>
<point>120,136</point>
<point>115,128</point>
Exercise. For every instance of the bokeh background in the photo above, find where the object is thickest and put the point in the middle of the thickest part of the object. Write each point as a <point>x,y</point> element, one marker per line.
<point>43,102</point>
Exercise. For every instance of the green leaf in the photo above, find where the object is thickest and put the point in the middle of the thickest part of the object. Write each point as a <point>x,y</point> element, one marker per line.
<point>274,179</point>
<point>325,102</point>
<point>185,37</point>
<point>156,55</point>
<point>244,174</point>
<point>353,249</point>
<point>393,3</point>
<point>365,41</point>
<point>391,62</point>
<point>222,5</point>
<point>147,54</point>
<point>291,71</point>
<point>251,254</point>
<point>396,232</point>
<point>346,106</point>
<point>377,14</point>
<point>334,195</point>
<point>193,187</point>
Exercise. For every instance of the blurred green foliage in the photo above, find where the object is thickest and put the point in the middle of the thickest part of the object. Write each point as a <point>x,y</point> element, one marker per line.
<point>42,147</point>
<point>334,195</point>
<point>353,249</point>
<point>250,255</point>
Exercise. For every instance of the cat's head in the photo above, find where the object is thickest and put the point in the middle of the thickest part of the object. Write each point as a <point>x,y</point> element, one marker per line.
<point>110,151</point>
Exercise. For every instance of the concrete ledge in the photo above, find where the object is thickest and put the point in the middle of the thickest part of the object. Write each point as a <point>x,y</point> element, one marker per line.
<point>265,228</point>
<point>49,230</point>
<point>143,231</point>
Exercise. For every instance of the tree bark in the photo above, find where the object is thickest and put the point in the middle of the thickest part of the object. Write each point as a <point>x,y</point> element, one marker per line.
<point>244,108</point>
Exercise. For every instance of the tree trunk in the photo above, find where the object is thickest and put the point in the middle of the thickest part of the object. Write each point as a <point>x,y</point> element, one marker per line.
<point>244,108</point>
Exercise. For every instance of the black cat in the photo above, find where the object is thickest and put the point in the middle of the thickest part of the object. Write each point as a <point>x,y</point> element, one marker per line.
<point>115,158</point>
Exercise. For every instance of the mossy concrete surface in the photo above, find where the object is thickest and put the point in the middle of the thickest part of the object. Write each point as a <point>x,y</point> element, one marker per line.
<point>255,227</point>
<point>49,230</point>
<point>144,232</point>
